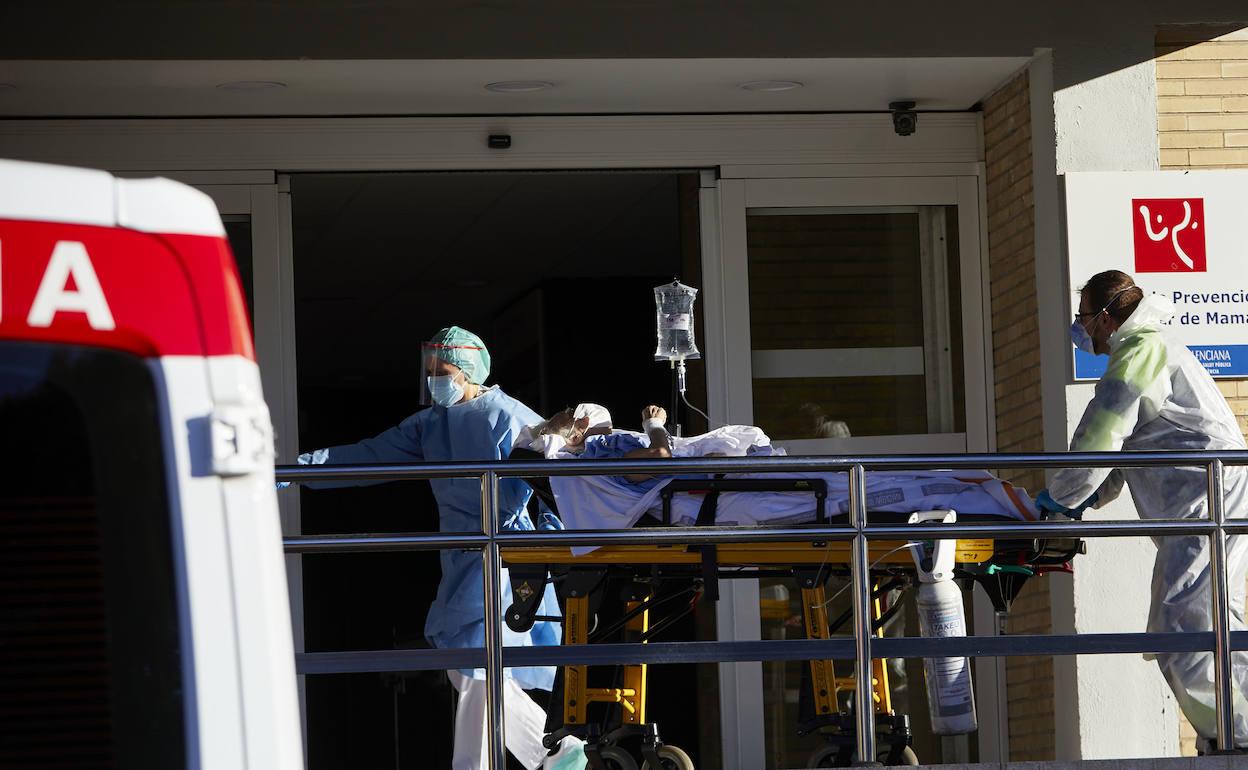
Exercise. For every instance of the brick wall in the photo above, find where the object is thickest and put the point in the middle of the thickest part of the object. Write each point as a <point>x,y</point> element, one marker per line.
<point>1202,123</point>
<point>1016,367</point>
<point>1202,95</point>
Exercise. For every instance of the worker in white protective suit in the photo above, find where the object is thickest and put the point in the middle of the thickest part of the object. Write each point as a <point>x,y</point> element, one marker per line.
<point>1156,395</point>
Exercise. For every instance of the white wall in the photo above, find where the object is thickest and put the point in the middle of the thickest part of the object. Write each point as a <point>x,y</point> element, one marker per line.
<point>1108,123</point>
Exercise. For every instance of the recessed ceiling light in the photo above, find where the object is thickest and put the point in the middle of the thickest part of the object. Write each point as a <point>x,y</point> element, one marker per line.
<point>518,86</point>
<point>251,85</point>
<point>771,85</point>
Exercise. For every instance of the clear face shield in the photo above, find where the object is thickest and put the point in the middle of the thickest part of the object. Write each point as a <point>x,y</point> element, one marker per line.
<point>442,383</point>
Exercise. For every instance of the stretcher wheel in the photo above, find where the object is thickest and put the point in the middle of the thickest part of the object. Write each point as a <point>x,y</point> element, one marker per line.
<point>616,758</point>
<point>826,757</point>
<point>908,757</point>
<point>673,758</point>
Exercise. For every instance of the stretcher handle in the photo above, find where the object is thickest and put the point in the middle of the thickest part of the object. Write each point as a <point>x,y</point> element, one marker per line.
<point>818,487</point>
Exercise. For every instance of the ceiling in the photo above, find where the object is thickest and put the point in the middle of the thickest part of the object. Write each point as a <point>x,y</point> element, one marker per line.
<point>1088,39</point>
<point>457,87</point>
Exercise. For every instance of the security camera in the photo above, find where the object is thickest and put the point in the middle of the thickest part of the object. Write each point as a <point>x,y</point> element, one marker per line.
<point>905,119</point>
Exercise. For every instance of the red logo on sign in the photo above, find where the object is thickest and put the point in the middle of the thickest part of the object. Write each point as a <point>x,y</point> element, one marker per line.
<point>1169,235</point>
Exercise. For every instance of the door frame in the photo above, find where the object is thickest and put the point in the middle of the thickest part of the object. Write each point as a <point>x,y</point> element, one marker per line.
<point>729,376</point>
<point>729,365</point>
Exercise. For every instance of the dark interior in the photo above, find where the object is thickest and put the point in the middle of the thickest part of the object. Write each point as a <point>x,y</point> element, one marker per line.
<point>555,271</point>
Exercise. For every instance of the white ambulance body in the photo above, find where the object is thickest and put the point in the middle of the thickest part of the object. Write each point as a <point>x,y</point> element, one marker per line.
<point>144,617</point>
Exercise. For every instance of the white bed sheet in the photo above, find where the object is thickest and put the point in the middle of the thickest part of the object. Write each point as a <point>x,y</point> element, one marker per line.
<point>607,502</point>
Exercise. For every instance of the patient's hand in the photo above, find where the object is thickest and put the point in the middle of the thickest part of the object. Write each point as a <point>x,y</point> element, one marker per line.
<point>653,412</point>
<point>567,425</point>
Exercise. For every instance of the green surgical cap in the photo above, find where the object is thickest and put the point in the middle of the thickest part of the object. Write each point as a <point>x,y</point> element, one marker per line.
<point>460,347</point>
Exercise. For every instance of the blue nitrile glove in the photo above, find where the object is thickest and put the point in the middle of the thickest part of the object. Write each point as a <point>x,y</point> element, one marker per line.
<point>1046,503</point>
<point>548,521</point>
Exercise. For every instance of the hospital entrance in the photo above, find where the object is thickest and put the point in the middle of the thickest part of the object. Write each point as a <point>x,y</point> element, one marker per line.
<point>555,271</point>
<point>833,325</point>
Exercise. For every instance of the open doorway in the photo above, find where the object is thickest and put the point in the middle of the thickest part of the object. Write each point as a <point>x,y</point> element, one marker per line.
<point>555,272</point>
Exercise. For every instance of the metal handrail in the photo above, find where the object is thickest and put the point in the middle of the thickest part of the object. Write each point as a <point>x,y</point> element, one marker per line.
<point>710,535</point>
<point>493,657</point>
<point>522,468</point>
<point>837,648</point>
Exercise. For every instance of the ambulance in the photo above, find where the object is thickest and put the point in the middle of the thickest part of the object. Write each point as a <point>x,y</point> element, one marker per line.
<point>144,618</point>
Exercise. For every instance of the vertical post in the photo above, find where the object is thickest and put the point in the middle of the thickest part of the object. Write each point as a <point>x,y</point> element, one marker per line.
<point>493,569</point>
<point>1221,612</point>
<point>864,702</point>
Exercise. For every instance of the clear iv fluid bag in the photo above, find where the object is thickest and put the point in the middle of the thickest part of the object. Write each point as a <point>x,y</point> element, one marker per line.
<point>674,307</point>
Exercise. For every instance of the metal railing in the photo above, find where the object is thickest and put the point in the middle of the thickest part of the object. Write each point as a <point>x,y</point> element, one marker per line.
<point>863,647</point>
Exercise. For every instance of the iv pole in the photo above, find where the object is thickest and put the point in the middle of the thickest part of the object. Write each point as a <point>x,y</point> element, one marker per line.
<point>678,387</point>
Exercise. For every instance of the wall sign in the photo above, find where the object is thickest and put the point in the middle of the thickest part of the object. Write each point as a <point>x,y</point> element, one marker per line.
<point>1182,234</point>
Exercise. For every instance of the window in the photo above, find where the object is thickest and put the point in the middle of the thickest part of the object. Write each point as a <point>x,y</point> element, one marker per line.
<point>89,636</point>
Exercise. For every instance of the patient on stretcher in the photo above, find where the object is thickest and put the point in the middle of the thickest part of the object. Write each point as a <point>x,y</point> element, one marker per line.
<point>608,502</point>
<point>588,432</point>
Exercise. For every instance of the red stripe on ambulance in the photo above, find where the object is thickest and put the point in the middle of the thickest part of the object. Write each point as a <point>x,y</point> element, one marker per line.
<point>148,294</point>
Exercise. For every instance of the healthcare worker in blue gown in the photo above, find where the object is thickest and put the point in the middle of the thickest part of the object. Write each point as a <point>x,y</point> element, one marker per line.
<point>469,421</point>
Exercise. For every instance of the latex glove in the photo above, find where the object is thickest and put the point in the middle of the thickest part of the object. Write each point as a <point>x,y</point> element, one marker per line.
<point>548,522</point>
<point>1045,502</point>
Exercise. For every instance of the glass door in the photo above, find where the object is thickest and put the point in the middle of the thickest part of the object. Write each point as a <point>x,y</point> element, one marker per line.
<point>853,313</point>
<point>852,322</point>
<point>850,344</point>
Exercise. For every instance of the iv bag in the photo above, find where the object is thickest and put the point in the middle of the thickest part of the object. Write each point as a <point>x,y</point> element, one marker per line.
<point>674,308</point>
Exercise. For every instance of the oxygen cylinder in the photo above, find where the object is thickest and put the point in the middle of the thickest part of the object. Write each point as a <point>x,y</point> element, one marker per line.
<point>950,694</point>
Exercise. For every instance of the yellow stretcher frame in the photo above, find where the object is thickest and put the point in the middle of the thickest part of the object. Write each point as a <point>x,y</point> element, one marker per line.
<point>827,687</point>
<point>975,551</point>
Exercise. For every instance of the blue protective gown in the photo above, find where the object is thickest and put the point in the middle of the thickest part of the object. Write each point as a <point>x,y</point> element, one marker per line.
<point>481,429</point>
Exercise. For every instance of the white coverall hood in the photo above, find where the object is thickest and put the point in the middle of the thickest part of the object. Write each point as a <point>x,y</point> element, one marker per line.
<point>1152,312</point>
<point>1155,395</point>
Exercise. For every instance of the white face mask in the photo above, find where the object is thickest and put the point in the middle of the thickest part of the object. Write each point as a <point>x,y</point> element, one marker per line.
<point>445,391</point>
<point>1079,334</point>
<point>1080,337</point>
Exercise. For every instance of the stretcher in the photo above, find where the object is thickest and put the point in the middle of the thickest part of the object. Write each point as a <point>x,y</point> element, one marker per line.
<point>660,584</point>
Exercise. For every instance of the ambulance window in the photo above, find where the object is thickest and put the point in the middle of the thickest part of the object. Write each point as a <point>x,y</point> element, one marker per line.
<point>89,635</point>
